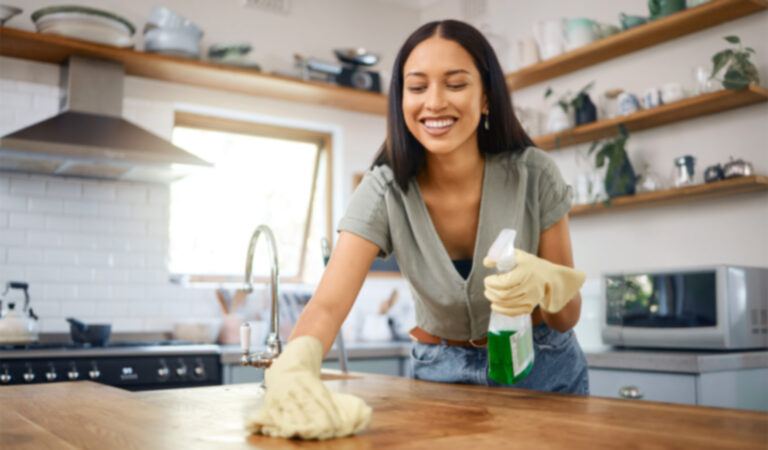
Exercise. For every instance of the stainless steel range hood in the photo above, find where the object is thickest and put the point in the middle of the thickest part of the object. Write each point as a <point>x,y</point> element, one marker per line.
<point>89,138</point>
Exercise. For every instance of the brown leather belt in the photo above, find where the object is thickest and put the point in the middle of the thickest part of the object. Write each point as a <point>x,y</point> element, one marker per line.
<point>419,335</point>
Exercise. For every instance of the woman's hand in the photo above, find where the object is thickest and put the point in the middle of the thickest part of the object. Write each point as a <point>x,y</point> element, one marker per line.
<point>534,281</point>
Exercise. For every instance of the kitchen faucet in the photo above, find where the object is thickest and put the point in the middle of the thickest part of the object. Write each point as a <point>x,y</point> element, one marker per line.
<point>274,346</point>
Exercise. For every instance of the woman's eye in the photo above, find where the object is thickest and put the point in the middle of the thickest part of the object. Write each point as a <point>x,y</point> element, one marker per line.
<point>416,88</point>
<point>457,86</point>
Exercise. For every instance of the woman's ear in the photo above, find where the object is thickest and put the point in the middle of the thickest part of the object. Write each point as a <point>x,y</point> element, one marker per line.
<point>484,108</point>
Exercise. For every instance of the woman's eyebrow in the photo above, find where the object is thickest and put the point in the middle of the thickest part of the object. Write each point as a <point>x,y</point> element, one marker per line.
<point>448,73</point>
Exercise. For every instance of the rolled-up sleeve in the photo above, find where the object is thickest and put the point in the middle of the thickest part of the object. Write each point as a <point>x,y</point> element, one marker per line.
<point>366,214</point>
<point>555,195</point>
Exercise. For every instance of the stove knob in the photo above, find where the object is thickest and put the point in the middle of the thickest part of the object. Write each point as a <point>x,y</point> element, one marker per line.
<point>94,374</point>
<point>73,374</point>
<point>50,376</point>
<point>29,376</point>
<point>5,378</point>
<point>163,372</point>
<point>200,371</point>
<point>181,371</point>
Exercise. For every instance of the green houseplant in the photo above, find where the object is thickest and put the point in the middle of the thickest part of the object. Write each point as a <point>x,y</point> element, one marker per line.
<point>619,175</point>
<point>740,71</point>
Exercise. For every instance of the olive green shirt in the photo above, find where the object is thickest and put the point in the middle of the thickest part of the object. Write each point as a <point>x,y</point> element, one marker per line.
<point>522,191</point>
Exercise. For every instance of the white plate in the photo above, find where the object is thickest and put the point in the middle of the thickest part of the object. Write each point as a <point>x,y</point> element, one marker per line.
<point>172,42</point>
<point>87,27</point>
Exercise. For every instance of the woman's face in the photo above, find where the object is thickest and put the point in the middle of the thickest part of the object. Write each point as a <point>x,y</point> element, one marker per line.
<point>442,96</point>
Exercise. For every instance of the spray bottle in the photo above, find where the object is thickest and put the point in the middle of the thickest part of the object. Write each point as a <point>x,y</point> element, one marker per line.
<point>510,339</point>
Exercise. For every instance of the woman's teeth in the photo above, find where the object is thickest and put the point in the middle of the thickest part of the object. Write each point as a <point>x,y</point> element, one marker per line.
<point>439,123</point>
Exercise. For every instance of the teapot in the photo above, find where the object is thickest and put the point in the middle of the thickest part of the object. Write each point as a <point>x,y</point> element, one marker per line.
<point>18,327</point>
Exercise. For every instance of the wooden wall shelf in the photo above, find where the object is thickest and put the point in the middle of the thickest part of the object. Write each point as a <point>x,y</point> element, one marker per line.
<point>684,109</point>
<point>662,30</point>
<point>56,49</point>
<point>742,185</point>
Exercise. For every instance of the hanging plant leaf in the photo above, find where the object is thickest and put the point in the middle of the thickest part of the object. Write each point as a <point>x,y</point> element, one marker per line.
<point>719,61</point>
<point>623,130</point>
<point>742,64</point>
<point>751,50</point>
<point>563,105</point>
<point>733,39</point>
<point>548,92</point>
<point>593,147</point>
<point>735,80</point>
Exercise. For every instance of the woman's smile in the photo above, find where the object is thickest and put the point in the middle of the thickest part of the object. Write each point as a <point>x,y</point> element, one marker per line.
<point>438,126</point>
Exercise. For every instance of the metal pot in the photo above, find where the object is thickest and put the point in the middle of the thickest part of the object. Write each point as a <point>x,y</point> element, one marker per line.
<point>737,168</point>
<point>93,334</point>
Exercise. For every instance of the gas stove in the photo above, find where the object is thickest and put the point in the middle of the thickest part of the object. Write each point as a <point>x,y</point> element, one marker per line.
<point>133,366</point>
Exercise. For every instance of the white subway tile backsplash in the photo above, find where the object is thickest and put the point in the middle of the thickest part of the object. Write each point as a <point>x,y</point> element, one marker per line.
<point>62,223</point>
<point>153,324</point>
<point>42,273</point>
<point>78,241</point>
<point>114,210</point>
<point>156,260</point>
<point>45,205</point>
<point>27,221</point>
<point>75,274</point>
<point>5,182</point>
<point>2,255</point>
<point>127,325</point>
<point>10,202</point>
<point>9,273</point>
<point>128,260</point>
<point>97,259</point>
<point>17,100</point>
<point>129,292</point>
<point>78,308</point>
<point>158,229</point>
<point>46,308</point>
<point>111,309</point>
<point>147,276</point>
<point>25,256</point>
<point>43,238</point>
<point>98,191</point>
<point>112,243</point>
<point>3,219</point>
<point>54,325</point>
<point>153,212</point>
<point>94,292</point>
<point>59,291</point>
<point>143,308</point>
<point>110,275</point>
<point>81,208</point>
<point>96,225</point>
<point>64,189</point>
<point>11,237</point>
<point>159,195</point>
<point>62,257</point>
<point>132,193</point>
<point>45,103</point>
<point>130,227</point>
<point>36,88</point>
<point>23,185</point>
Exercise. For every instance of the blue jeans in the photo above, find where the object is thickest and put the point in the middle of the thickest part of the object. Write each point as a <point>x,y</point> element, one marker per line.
<point>559,364</point>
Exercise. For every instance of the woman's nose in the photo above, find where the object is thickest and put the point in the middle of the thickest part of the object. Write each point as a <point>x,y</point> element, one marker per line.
<point>435,99</point>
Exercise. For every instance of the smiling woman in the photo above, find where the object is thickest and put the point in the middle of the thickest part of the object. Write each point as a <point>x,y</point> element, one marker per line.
<point>262,174</point>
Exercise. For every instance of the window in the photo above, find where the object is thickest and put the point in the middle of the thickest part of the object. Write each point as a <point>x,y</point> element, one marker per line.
<point>262,174</point>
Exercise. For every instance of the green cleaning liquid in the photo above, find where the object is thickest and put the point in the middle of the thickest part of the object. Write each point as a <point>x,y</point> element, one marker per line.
<point>510,350</point>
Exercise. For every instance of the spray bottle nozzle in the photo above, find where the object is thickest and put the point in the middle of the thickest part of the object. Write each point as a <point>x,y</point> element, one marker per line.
<point>502,251</point>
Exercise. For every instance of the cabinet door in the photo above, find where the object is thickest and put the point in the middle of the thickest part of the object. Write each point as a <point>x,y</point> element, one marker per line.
<point>655,386</point>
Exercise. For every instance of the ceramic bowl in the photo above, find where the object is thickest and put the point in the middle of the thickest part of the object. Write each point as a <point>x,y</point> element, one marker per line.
<point>162,17</point>
<point>172,42</point>
<point>87,24</point>
<point>6,12</point>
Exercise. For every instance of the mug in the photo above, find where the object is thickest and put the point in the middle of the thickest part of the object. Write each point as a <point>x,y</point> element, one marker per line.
<point>672,92</point>
<point>684,170</point>
<point>628,103</point>
<point>527,52</point>
<point>651,98</point>
<point>628,22</point>
<point>661,8</point>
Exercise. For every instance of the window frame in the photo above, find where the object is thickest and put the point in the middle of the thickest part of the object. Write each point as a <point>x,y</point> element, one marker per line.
<point>324,143</point>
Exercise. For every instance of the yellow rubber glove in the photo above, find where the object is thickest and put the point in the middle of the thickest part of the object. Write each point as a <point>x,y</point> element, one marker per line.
<point>297,403</point>
<point>533,281</point>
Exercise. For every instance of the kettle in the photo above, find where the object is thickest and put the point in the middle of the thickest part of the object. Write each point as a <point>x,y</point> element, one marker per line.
<point>17,327</point>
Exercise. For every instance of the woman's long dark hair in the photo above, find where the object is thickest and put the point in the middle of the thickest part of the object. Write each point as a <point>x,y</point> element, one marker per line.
<point>402,151</point>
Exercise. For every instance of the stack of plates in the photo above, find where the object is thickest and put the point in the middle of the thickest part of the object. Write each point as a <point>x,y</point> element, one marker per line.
<point>169,33</point>
<point>88,24</point>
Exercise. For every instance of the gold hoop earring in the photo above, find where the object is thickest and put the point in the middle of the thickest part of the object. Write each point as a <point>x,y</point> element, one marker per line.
<point>487,124</point>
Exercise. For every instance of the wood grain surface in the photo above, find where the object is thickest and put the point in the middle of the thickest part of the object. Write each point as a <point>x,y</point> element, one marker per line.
<point>408,413</point>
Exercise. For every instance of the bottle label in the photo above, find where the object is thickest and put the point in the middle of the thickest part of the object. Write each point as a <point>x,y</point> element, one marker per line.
<point>521,344</point>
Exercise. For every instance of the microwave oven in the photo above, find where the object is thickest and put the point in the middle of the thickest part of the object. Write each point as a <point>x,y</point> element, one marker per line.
<point>720,307</point>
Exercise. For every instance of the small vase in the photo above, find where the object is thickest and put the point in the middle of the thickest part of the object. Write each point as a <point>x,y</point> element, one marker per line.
<point>587,112</point>
<point>620,179</point>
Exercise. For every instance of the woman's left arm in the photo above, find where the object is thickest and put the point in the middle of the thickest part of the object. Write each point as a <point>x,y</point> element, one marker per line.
<point>555,246</point>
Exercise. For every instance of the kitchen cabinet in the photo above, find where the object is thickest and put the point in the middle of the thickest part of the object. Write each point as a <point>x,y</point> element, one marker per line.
<point>394,366</point>
<point>743,389</point>
<point>653,33</point>
<point>407,413</point>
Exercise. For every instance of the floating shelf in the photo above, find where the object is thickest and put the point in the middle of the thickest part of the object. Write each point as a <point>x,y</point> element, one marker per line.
<point>652,33</point>
<point>741,185</point>
<point>56,49</point>
<point>688,108</point>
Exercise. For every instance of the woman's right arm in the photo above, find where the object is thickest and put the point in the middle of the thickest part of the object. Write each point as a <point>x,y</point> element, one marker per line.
<point>338,289</point>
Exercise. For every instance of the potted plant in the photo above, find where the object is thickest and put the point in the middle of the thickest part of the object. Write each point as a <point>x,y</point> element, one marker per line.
<point>619,175</point>
<point>739,70</point>
<point>584,110</point>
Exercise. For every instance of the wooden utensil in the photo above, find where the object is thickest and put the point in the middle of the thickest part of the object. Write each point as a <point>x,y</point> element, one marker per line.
<point>222,301</point>
<point>387,304</point>
<point>238,299</point>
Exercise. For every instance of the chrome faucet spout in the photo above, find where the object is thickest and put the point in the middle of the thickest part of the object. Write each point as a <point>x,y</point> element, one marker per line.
<point>273,344</point>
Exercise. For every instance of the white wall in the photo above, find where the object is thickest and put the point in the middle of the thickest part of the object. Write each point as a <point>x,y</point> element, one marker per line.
<point>91,250</point>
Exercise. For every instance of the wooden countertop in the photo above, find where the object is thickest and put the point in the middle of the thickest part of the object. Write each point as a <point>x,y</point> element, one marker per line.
<point>407,414</point>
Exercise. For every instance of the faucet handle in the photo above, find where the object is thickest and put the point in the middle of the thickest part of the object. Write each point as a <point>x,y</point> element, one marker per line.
<point>245,337</point>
